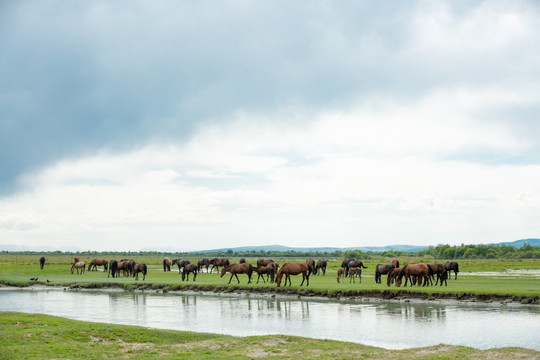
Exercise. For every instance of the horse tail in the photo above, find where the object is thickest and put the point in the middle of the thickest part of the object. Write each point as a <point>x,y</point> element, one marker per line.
<point>362,265</point>
<point>457,267</point>
<point>72,266</point>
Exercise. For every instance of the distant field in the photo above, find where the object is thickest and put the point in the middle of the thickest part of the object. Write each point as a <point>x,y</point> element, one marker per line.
<point>474,276</point>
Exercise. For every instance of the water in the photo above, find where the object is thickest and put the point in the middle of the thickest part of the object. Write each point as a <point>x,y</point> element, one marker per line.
<point>388,325</point>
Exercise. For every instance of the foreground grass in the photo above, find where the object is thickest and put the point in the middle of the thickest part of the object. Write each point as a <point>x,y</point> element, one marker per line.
<point>34,336</point>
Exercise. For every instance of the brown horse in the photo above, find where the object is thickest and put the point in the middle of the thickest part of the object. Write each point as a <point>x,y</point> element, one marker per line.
<point>440,271</point>
<point>139,268</point>
<point>353,272</point>
<point>79,266</point>
<point>216,263</point>
<point>382,269</point>
<point>353,263</point>
<point>311,265</point>
<point>236,269</point>
<point>321,265</point>
<point>76,258</point>
<point>420,271</point>
<point>340,273</point>
<point>98,262</point>
<point>203,262</point>
<point>190,268</point>
<point>126,266</point>
<point>452,265</point>
<point>264,262</point>
<point>289,269</point>
<point>392,275</point>
<point>166,264</point>
<point>395,262</point>
<point>269,270</point>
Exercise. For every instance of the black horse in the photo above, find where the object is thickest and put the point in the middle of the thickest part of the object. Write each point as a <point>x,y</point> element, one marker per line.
<point>382,269</point>
<point>452,265</point>
<point>113,268</point>
<point>42,262</point>
<point>190,268</point>
<point>180,263</point>
<point>139,268</point>
<point>321,265</point>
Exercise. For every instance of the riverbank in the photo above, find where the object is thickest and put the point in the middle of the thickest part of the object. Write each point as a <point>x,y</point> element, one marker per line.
<point>380,295</point>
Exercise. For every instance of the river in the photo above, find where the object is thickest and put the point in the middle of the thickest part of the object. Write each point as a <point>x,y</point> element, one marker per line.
<point>390,325</point>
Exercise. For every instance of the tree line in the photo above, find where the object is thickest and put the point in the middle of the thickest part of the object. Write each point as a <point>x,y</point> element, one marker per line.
<point>436,252</point>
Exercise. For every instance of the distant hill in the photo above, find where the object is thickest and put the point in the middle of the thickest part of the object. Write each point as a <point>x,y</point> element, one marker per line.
<point>520,243</point>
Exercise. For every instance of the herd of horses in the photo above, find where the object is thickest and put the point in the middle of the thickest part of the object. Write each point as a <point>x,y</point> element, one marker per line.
<point>420,274</point>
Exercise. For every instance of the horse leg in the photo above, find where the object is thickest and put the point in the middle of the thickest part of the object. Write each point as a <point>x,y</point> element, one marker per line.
<point>237,279</point>
<point>194,276</point>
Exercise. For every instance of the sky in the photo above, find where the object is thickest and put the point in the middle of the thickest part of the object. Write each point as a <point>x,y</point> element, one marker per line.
<point>191,125</point>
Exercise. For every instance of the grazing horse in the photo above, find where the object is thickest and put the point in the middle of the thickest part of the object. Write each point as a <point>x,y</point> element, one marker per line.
<point>311,265</point>
<point>382,269</point>
<point>269,270</point>
<point>129,265</point>
<point>236,269</point>
<point>166,264</point>
<point>353,263</point>
<point>203,262</point>
<point>190,268</point>
<point>98,262</point>
<point>452,265</point>
<point>420,271</point>
<point>392,275</point>
<point>216,263</point>
<point>289,269</point>
<point>41,262</point>
<point>340,273</point>
<point>79,266</point>
<point>321,264</point>
<point>180,263</point>
<point>113,268</point>
<point>395,262</point>
<point>345,265</point>
<point>264,262</point>
<point>76,258</point>
<point>440,271</point>
<point>242,260</point>
<point>353,272</point>
<point>139,268</point>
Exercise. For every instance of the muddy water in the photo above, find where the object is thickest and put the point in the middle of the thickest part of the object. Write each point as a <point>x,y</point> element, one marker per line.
<point>383,324</point>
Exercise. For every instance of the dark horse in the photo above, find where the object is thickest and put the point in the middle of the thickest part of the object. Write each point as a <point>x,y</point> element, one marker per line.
<point>166,264</point>
<point>311,265</point>
<point>216,263</point>
<point>264,262</point>
<point>190,268</point>
<point>41,262</point>
<point>236,269</point>
<point>321,265</point>
<point>203,262</point>
<point>354,263</point>
<point>452,265</point>
<point>440,271</point>
<point>382,269</point>
<point>180,263</point>
<point>420,271</point>
<point>269,270</point>
<point>113,268</point>
<point>139,268</point>
<point>293,269</point>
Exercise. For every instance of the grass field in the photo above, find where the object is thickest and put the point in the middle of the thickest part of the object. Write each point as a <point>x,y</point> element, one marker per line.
<point>32,336</point>
<point>476,276</point>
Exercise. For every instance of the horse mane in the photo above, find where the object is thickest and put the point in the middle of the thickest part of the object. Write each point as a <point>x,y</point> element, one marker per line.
<point>402,271</point>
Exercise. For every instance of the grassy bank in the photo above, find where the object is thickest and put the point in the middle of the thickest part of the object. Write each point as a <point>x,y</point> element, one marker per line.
<point>33,336</point>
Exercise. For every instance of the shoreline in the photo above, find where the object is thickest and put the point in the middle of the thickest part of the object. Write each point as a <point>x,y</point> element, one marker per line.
<point>400,296</point>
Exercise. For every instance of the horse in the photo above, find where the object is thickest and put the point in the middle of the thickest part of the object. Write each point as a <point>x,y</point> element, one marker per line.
<point>236,269</point>
<point>98,262</point>
<point>269,270</point>
<point>180,263</point>
<point>138,268</point>
<point>76,258</point>
<point>216,263</point>
<point>392,275</point>
<point>452,265</point>
<point>421,271</point>
<point>113,268</point>
<point>440,271</point>
<point>353,272</point>
<point>340,273</point>
<point>166,264</point>
<point>395,262</point>
<point>190,268</point>
<point>264,262</point>
<point>128,266</point>
<point>382,269</point>
<point>289,269</point>
<point>321,264</point>
<point>41,262</point>
<point>354,263</point>
<point>242,260</point>
<point>79,266</point>
<point>311,265</point>
<point>203,262</point>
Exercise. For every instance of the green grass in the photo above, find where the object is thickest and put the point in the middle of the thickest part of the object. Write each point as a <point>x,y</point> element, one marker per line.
<point>19,269</point>
<point>33,336</point>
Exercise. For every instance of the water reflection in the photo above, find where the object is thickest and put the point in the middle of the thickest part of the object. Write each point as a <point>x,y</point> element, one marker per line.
<point>388,325</point>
